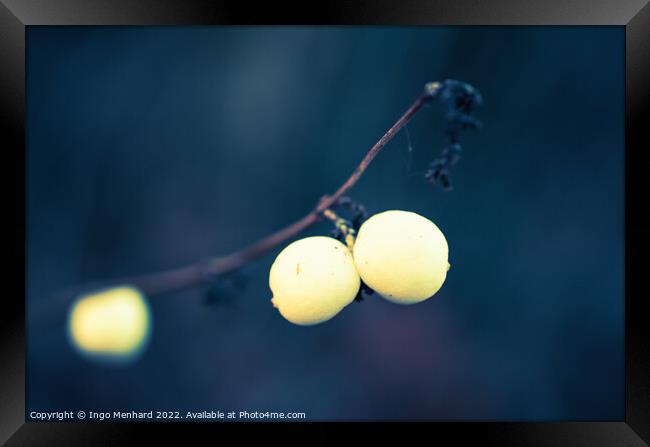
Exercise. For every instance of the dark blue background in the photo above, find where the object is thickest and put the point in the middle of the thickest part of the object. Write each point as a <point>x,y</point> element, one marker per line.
<point>149,148</point>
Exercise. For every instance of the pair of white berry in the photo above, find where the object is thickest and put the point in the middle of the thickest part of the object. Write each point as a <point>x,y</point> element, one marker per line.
<point>401,255</point>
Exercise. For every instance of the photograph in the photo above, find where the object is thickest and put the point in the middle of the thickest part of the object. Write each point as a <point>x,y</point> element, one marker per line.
<point>325,223</point>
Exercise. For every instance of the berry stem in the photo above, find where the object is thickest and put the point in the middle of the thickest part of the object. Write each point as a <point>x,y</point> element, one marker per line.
<point>203,271</point>
<point>343,227</point>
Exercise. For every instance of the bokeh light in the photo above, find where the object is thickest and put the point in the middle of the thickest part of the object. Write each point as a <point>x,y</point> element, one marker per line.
<point>111,325</point>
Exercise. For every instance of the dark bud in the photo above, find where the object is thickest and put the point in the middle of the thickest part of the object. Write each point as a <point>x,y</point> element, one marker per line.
<point>364,291</point>
<point>461,100</point>
<point>358,213</point>
<point>224,290</point>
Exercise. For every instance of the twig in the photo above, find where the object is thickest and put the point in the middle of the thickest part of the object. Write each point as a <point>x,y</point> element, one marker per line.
<point>202,272</point>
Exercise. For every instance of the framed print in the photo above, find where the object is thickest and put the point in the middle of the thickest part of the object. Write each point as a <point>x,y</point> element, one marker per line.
<point>228,215</point>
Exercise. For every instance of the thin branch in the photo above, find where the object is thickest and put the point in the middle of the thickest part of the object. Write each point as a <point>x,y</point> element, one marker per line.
<point>202,272</point>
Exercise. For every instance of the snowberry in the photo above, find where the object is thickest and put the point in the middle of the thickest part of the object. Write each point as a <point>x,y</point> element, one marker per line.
<point>401,255</point>
<point>313,279</point>
<point>113,323</point>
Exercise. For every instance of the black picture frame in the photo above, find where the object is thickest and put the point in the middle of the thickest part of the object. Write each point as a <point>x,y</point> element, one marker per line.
<point>634,15</point>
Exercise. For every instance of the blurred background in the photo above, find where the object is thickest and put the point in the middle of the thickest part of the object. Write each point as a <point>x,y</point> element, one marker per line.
<point>150,148</point>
